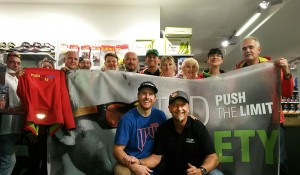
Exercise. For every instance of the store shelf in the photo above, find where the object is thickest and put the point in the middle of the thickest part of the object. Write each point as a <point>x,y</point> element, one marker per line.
<point>31,56</point>
<point>29,59</point>
<point>292,120</point>
<point>290,102</point>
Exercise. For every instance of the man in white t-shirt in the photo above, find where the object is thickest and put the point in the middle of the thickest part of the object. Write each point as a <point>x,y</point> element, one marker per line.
<point>10,124</point>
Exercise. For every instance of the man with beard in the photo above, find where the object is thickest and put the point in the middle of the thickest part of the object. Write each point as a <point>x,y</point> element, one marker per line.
<point>136,129</point>
<point>185,144</point>
<point>131,62</point>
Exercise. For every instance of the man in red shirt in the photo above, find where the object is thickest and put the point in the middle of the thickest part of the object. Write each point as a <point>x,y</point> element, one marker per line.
<point>251,50</point>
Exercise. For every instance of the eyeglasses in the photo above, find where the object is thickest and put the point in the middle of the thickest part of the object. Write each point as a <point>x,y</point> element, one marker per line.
<point>246,47</point>
<point>215,55</point>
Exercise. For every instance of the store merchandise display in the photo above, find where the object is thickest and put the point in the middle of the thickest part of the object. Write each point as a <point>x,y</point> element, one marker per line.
<point>26,47</point>
<point>94,50</point>
<point>296,84</point>
<point>290,105</point>
<point>95,55</point>
<point>7,47</point>
<point>121,50</point>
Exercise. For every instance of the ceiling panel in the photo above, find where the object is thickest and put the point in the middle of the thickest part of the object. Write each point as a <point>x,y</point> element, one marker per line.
<point>214,20</point>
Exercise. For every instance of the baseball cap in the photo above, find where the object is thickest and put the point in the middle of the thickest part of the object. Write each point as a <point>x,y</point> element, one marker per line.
<point>178,94</point>
<point>149,85</point>
<point>152,51</point>
<point>215,51</point>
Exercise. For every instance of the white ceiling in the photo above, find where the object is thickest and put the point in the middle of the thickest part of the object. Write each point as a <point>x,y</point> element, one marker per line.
<point>215,20</point>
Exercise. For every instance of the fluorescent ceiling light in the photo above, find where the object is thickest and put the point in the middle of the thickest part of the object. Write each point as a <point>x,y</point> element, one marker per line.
<point>264,4</point>
<point>225,43</point>
<point>248,23</point>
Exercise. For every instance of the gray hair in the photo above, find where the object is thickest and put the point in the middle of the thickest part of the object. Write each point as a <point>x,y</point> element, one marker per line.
<point>252,38</point>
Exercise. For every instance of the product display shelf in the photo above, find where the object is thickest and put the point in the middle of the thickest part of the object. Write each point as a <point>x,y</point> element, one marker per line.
<point>31,56</point>
<point>291,110</point>
<point>29,59</point>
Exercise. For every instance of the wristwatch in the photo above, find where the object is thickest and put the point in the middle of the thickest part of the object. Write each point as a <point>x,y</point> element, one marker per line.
<point>203,170</point>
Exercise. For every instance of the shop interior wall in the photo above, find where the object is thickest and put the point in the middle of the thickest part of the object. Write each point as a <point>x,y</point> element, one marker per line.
<point>65,22</point>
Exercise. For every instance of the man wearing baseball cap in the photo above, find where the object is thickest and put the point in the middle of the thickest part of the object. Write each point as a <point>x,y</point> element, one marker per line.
<point>185,143</point>
<point>152,62</point>
<point>136,129</point>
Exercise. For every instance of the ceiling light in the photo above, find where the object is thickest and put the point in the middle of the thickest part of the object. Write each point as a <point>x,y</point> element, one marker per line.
<point>248,23</point>
<point>225,43</point>
<point>264,4</point>
<point>232,40</point>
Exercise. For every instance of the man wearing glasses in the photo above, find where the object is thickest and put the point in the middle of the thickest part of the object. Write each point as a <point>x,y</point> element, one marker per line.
<point>214,60</point>
<point>10,124</point>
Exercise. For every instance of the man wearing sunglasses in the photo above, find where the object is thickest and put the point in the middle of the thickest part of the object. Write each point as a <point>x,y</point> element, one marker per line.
<point>136,129</point>
<point>10,124</point>
<point>251,51</point>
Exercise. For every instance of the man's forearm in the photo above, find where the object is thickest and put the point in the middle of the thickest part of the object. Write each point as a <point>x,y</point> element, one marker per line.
<point>151,161</point>
<point>120,154</point>
<point>211,162</point>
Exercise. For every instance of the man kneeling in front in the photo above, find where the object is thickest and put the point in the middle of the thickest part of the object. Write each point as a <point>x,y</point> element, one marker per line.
<point>184,143</point>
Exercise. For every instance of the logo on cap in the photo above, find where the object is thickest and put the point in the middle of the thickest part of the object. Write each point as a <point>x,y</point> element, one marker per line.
<point>177,95</point>
<point>174,94</point>
<point>149,85</point>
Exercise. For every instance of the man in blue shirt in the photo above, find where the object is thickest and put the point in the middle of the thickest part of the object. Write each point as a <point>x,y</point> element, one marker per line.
<point>184,143</point>
<point>136,129</point>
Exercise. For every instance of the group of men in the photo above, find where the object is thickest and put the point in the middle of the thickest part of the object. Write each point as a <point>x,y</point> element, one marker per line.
<point>181,150</point>
<point>183,142</point>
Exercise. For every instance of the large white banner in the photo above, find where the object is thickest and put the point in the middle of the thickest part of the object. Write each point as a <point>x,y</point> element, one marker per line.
<point>239,108</point>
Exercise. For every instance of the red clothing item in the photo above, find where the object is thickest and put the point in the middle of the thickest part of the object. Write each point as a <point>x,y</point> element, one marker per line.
<point>44,91</point>
<point>287,86</point>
